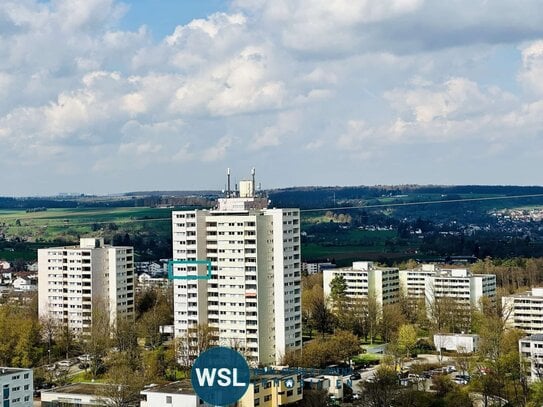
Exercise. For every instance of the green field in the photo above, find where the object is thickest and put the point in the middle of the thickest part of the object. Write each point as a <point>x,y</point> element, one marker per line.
<point>68,224</point>
<point>25,232</point>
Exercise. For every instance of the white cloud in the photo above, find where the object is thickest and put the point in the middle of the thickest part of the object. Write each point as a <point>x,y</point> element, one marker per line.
<point>531,74</point>
<point>293,81</point>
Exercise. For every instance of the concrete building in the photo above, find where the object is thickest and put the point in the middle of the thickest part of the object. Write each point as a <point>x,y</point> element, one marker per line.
<point>178,393</point>
<point>17,387</point>
<point>77,394</point>
<point>525,311</point>
<point>273,390</point>
<point>74,279</point>
<point>314,268</point>
<point>531,353</point>
<point>363,279</point>
<point>461,343</point>
<point>251,295</point>
<point>333,385</point>
<point>431,282</point>
<point>460,284</point>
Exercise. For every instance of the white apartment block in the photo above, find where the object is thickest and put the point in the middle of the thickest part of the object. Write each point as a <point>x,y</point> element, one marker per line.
<point>17,387</point>
<point>461,285</point>
<point>314,268</point>
<point>74,279</point>
<point>524,311</point>
<point>531,353</point>
<point>253,297</point>
<point>363,279</point>
<point>431,282</point>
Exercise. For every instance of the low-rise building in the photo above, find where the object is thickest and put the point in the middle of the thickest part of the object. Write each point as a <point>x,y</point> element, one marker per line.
<point>17,387</point>
<point>364,279</point>
<point>273,390</point>
<point>461,343</point>
<point>524,311</point>
<point>531,353</point>
<point>178,393</point>
<point>77,394</point>
<point>333,385</point>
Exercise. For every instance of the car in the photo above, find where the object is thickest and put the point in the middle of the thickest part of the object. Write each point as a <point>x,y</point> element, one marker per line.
<point>355,376</point>
<point>84,358</point>
<point>65,363</point>
<point>459,380</point>
<point>356,396</point>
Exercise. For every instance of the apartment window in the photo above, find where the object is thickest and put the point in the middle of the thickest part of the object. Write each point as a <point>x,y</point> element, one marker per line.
<point>168,399</point>
<point>267,398</point>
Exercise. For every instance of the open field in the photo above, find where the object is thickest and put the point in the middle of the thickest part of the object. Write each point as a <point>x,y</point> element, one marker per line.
<point>68,224</point>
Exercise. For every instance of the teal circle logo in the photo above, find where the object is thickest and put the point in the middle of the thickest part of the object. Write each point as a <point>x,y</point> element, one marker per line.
<point>220,376</point>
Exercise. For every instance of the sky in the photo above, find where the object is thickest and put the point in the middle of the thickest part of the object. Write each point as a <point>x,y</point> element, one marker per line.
<point>107,96</point>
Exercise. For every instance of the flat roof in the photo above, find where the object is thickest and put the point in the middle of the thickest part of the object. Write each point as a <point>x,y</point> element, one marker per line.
<point>89,389</point>
<point>12,370</point>
<point>179,387</point>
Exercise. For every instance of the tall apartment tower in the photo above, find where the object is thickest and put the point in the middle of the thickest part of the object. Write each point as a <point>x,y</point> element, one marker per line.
<point>74,279</point>
<point>252,297</point>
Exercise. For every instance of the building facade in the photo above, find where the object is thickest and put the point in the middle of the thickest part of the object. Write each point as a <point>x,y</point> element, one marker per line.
<point>363,279</point>
<point>74,279</point>
<point>461,285</point>
<point>273,390</point>
<point>531,354</point>
<point>430,282</point>
<point>17,387</point>
<point>461,343</point>
<point>178,393</point>
<point>525,311</point>
<point>251,292</point>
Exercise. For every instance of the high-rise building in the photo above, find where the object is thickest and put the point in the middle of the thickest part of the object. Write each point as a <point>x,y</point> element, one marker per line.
<point>363,279</point>
<point>74,279</point>
<point>524,311</point>
<point>251,296</point>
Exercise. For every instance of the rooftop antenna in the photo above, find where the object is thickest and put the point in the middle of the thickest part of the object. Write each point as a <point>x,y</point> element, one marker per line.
<point>254,185</point>
<point>228,193</point>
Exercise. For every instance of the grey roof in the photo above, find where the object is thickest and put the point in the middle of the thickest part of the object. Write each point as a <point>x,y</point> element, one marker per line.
<point>179,387</point>
<point>4,371</point>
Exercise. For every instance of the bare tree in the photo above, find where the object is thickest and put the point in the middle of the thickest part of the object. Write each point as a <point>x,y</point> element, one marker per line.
<point>122,387</point>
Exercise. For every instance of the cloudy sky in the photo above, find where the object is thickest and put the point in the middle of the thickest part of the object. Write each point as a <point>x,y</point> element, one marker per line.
<point>103,96</point>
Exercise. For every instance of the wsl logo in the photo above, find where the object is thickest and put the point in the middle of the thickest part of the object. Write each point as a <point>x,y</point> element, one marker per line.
<point>220,376</point>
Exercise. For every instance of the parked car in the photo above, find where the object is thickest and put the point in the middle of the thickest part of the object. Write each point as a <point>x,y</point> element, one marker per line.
<point>355,376</point>
<point>84,358</point>
<point>65,363</point>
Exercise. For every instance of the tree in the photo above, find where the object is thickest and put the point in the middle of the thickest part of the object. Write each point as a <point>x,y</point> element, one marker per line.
<point>391,320</point>
<point>407,338</point>
<point>321,315</point>
<point>383,390</point>
<point>97,341</point>
<point>65,339</point>
<point>123,386</point>
<point>125,339</point>
<point>157,314</point>
<point>338,287</point>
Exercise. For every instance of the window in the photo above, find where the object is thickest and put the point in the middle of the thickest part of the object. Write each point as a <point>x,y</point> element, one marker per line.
<point>267,398</point>
<point>168,399</point>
